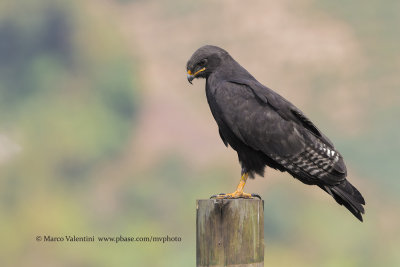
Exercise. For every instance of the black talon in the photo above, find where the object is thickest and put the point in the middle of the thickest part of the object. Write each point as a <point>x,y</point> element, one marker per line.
<point>255,195</point>
<point>220,194</point>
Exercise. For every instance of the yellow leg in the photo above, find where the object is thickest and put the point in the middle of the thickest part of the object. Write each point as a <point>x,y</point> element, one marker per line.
<point>239,190</point>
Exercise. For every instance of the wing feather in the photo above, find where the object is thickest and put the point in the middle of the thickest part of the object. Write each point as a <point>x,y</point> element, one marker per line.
<point>274,126</point>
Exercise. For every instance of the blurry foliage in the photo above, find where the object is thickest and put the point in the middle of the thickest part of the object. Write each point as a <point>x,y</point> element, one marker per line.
<point>374,23</point>
<point>77,105</point>
<point>69,96</point>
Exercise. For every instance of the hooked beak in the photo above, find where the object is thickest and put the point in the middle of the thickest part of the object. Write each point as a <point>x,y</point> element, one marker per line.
<point>191,76</point>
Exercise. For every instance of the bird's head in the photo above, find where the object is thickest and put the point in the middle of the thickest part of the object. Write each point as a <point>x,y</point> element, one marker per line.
<point>204,62</point>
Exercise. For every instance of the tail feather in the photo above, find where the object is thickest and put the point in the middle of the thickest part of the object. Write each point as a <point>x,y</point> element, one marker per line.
<point>347,195</point>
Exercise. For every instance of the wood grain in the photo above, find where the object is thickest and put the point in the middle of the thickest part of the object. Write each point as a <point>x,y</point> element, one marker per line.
<point>230,232</point>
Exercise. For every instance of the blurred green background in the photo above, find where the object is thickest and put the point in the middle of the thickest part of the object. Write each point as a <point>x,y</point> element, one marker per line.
<point>100,133</point>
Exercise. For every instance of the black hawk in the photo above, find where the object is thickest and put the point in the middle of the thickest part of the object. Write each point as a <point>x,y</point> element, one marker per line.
<point>265,129</point>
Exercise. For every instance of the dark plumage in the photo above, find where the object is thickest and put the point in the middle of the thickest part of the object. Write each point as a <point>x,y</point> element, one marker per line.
<point>267,130</point>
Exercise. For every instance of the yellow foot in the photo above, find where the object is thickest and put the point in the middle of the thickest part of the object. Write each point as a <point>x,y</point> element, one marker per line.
<point>236,194</point>
<point>239,190</point>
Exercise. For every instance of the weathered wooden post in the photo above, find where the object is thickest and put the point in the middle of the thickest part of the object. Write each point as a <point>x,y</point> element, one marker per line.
<point>230,232</point>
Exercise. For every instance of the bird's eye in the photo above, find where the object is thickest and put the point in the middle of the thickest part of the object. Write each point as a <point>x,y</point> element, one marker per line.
<point>203,62</point>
